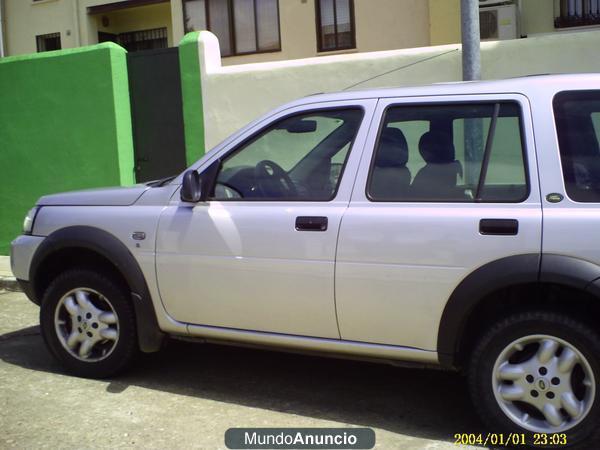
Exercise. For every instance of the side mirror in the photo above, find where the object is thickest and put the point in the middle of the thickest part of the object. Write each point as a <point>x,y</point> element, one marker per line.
<point>191,189</point>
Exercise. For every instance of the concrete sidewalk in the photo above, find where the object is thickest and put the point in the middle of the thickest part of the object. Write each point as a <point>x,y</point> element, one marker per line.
<point>7,279</point>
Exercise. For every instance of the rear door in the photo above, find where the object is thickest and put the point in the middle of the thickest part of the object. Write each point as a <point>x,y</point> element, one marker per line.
<point>429,207</point>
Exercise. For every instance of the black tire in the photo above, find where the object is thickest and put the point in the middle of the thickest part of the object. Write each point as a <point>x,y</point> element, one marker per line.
<point>125,348</point>
<point>489,348</point>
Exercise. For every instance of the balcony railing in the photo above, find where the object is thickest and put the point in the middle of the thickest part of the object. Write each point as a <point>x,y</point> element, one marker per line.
<point>577,13</point>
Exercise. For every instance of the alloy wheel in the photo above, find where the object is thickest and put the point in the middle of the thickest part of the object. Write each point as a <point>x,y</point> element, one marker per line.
<point>543,384</point>
<point>86,324</point>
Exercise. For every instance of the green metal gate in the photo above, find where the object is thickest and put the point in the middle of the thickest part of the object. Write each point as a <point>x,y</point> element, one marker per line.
<point>156,112</point>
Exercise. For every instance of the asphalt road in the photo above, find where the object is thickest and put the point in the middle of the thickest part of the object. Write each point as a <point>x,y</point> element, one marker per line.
<point>188,395</point>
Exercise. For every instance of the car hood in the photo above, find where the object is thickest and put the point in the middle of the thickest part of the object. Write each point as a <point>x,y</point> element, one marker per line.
<point>117,196</point>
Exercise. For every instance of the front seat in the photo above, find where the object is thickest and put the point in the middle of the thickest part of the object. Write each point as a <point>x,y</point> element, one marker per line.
<point>391,177</point>
<point>437,179</point>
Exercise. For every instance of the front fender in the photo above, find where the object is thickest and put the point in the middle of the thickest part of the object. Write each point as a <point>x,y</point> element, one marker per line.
<point>112,249</point>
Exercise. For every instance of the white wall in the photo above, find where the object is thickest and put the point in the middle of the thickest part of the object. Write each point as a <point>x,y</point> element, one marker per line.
<point>235,95</point>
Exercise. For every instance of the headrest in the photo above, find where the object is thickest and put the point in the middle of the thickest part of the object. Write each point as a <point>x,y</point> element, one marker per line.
<point>393,149</point>
<point>437,147</point>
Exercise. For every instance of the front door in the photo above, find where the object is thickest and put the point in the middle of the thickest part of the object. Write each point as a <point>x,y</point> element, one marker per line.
<point>260,254</point>
<point>449,186</point>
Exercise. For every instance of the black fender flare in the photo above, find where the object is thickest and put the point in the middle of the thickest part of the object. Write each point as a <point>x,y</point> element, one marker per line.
<point>150,336</point>
<point>503,273</point>
<point>573,272</point>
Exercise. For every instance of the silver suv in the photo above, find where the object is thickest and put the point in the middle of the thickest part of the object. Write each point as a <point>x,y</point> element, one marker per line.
<point>453,225</point>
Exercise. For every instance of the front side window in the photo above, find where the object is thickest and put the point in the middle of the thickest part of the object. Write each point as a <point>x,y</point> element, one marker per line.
<point>242,26</point>
<point>335,25</point>
<point>577,116</point>
<point>300,158</point>
<point>450,153</point>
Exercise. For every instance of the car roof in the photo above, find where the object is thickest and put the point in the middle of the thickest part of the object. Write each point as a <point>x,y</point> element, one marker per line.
<point>530,86</point>
<point>523,85</point>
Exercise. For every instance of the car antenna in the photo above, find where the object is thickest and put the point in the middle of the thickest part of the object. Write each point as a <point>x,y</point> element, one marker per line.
<point>401,67</point>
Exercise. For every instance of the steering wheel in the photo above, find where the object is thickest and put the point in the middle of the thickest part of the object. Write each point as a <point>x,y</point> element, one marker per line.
<point>272,181</point>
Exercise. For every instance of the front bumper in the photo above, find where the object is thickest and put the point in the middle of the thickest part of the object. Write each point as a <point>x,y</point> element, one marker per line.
<point>27,289</point>
<point>22,250</point>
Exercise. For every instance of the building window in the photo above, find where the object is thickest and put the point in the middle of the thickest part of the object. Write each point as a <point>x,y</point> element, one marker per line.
<point>138,40</point>
<point>577,13</point>
<point>144,40</point>
<point>335,25</point>
<point>242,26</point>
<point>48,42</point>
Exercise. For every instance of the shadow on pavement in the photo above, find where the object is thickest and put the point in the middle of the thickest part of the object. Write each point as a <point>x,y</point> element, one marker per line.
<point>422,403</point>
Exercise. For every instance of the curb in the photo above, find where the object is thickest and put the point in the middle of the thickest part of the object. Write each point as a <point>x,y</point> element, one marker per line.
<point>9,284</point>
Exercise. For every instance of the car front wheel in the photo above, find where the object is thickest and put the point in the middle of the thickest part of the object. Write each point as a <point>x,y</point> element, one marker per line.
<point>88,324</point>
<point>538,373</point>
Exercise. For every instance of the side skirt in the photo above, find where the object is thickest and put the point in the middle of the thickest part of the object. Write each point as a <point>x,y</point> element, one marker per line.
<point>380,353</point>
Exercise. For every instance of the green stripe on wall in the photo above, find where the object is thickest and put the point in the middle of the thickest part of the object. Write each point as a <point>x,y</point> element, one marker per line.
<point>122,115</point>
<point>191,89</point>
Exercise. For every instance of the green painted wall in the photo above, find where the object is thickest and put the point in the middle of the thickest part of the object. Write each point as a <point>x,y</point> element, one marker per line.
<point>191,90</point>
<point>65,124</point>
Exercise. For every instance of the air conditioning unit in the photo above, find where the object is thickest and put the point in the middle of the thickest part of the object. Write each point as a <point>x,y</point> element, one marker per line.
<point>483,3</point>
<point>498,21</point>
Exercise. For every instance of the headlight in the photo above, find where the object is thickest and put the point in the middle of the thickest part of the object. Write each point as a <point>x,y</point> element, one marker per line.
<point>29,219</point>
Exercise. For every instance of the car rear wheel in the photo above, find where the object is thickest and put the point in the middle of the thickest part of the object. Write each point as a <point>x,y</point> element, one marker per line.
<point>538,373</point>
<point>88,324</point>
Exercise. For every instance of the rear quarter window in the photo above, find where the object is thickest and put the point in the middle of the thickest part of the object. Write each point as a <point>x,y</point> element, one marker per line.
<point>577,117</point>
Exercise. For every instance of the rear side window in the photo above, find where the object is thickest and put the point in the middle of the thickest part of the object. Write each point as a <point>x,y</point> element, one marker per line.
<point>465,152</point>
<point>577,116</point>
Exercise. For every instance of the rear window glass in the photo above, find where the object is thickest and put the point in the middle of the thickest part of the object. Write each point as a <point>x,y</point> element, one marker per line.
<point>577,115</point>
<point>463,152</point>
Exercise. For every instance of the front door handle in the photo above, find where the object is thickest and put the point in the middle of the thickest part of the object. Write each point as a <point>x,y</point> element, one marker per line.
<point>311,223</point>
<point>499,227</point>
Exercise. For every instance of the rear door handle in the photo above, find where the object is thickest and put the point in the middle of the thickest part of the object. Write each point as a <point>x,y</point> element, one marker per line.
<point>499,227</point>
<point>311,223</point>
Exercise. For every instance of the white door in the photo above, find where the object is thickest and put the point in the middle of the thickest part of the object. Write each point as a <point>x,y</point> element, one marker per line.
<point>420,220</point>
<point>259,255</point>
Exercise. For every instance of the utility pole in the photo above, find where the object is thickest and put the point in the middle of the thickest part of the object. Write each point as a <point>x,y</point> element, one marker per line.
<point>471,68</point>
<point>469,28</point>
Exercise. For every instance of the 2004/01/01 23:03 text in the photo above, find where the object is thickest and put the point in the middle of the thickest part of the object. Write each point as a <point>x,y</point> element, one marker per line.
<point>511,439</point>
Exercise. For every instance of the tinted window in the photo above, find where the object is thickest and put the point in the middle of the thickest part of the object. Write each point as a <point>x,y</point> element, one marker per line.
<point>242,26</point>
<point>298,158</point>
<point>577,115</point>
<point>335,24</point>
<point>452,153</point>
<point>48,42</point>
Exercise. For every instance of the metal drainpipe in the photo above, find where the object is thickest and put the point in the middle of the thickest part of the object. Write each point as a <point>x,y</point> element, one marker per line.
<point>77,27</point>
<point>1,29</point>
